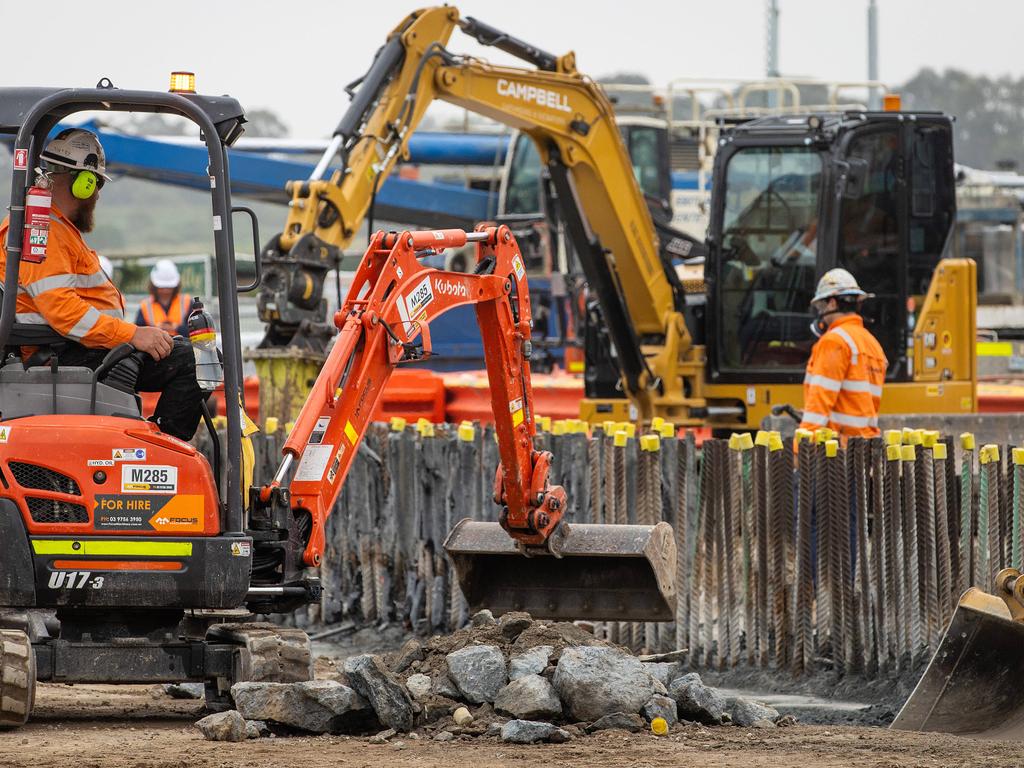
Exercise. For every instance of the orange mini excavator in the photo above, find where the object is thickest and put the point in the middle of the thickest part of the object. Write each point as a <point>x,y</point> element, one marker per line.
<point>125,557</point>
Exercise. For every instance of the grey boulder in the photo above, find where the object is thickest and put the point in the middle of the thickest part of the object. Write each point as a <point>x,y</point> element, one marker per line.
<point>747,713</point>
<point>223,726</point>
<point>528,698</point>
<point>617,720</point>
<point>696,701</point>
<point>442,685</point>
<point>663,707</point>
<point>483,618</point>
<point>532,662</point>
<point>418,686</point>
<point>662,671</point>
<point>594,681</point>
<point>386,695</point>
<point>185,690</point>
<point>318,706</point>
<point>478,671</point>
<point>255,729</point>
<point>513,624</point>
<point>411,651</point>
<point>531,732</point>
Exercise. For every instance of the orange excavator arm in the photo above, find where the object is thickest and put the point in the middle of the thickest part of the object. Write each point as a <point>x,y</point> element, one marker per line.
<point>384,322</point>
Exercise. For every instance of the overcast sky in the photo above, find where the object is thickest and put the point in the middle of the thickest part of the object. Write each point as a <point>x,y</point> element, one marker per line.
<point>295,57</point>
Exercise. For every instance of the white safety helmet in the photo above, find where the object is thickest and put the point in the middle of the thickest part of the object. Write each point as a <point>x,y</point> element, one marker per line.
<point>165,274</point>
<point>77,149</point>
<point>837,282</point>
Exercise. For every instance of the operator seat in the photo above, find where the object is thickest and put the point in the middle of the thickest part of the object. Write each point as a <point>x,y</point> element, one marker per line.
<point>54,389</point>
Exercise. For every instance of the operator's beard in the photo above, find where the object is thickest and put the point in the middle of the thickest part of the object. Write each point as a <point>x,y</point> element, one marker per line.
<point>83,218</point>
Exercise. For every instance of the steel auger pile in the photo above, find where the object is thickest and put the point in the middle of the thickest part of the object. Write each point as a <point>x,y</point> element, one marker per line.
<point>848,557</point>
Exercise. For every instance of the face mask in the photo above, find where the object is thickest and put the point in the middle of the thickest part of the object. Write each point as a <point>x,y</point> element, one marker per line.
<point>819,325</point>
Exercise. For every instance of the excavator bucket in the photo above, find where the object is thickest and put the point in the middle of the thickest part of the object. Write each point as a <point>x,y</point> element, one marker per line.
<point>603,572</point>
<point>973,683</point>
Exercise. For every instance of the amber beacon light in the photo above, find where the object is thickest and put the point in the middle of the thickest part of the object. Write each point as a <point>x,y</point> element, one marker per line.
<point>183,82</point>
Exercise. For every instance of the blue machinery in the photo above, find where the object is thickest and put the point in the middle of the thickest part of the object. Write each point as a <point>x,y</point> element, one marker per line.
<point>257,175</point>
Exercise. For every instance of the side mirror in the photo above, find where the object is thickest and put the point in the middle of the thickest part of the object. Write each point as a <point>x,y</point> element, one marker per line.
<point>855,177</point>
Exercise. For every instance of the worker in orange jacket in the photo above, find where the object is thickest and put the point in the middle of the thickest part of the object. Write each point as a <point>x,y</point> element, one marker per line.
<point>846,372</point>
<point>69,291</point>
<point>166,306</point>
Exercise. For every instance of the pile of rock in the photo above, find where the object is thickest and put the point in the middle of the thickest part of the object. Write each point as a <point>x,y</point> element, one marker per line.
<point>515,679</point>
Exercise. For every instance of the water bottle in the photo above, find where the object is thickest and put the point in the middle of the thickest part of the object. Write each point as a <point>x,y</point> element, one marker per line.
<point>202,332</point>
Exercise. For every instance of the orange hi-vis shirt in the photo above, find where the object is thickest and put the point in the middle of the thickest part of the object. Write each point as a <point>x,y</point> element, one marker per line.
<point>68,289</point>
<point>844,379</point>
<point>154,313</point>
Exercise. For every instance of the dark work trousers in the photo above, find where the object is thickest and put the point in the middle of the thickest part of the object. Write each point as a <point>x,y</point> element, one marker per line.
<point>181,400</point>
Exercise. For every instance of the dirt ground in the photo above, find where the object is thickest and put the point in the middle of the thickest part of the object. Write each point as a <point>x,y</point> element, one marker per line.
<point>117,727</point>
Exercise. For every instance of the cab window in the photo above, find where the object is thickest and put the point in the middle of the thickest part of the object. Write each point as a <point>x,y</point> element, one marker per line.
<point>766,272</point>
<point>522,188</point>
<point>644,154</point>
<point>870,238</point>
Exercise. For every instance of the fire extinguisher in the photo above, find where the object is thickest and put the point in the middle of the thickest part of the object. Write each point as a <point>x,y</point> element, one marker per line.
<point>37,221</point>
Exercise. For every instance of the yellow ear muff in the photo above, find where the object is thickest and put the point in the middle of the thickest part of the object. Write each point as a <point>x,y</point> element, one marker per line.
<point>84,185</point>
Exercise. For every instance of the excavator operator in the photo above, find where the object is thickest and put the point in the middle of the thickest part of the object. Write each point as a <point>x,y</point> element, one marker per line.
<point>68,290</point>
<point>843,383</point>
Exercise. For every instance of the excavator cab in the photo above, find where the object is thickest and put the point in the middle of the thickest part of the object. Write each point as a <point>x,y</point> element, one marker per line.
<point>796,195</point>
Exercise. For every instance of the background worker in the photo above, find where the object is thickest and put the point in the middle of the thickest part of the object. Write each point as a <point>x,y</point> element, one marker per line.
<point>166,306</point>
<point>69,291</point>
<point>846,372</point>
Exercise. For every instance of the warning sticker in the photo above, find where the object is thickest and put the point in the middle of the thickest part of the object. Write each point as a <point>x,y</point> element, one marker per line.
<point>5,434</point>
<point>128,454</point>
<point>314,462</point>
<point>438,235</point>
<point>148,478</point>
<point>317,435</point>
<point>20,159</point>
<point>517,265</point>
<point>241,549</point>
<point>333,471</point>
<point>516,409</point>
<point>420,298</point>
<point>170,514</point>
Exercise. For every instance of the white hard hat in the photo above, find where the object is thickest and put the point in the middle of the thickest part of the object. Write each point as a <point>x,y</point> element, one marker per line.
<point>165,274</point>
<point>78,149</point>
<point>837,282</point>
<point>107,266</point>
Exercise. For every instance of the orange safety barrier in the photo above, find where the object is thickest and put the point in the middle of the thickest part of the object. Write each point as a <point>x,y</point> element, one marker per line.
<point>454,397</point>
<point>1000,398</point>
<point>556,395</point>
<point>413,394</point>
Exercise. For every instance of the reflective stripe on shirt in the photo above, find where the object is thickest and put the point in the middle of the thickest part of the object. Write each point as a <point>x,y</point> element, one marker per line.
<point>815,418</point>
<point>862,386</point>
<point>841,333</point>
<point>847,420</point>
<point>834,385</point>
<point>68,280</point>
<point>84,324</point>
